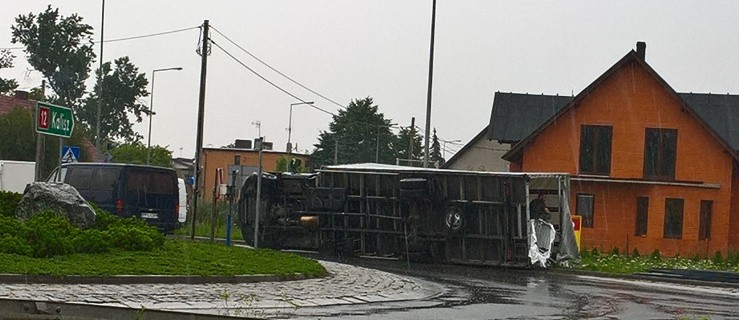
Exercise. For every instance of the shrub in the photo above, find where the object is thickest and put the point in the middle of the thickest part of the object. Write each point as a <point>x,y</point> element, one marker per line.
<point>655,255</point>
<point>8,203</point>
<point>12,226</point>
<point>614,251</point>
<point>50,235</point>
<point>15,245</point>
<point>718,258</point>
<point>92,241</point>
<point>131,238</point>
<point>635,253</point>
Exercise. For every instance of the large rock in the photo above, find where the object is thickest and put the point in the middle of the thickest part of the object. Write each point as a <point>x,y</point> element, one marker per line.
<point>41,196</point>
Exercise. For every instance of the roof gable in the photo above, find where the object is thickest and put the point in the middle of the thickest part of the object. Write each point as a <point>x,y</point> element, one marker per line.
<point>631,57</point>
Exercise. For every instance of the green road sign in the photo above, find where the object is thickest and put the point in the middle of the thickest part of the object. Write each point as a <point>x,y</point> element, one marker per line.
<point>54,120</point>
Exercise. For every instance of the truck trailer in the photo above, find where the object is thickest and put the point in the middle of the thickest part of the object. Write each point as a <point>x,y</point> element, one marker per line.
<point>438,215</point>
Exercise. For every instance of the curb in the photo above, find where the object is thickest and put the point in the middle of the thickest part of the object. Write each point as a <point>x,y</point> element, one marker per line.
<point>644,277</point>
<point>148,279</point>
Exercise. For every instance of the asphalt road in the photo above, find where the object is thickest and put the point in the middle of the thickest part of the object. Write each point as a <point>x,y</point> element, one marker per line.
<point>496,293</point>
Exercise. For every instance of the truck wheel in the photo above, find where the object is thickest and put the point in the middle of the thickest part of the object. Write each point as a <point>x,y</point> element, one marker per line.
<point>454,219</point>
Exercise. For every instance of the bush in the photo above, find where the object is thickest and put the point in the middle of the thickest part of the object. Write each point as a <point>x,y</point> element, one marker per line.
<point>8,203</point>
<point>635,253</point>
<point>655,255</point>
<point>614,251</point>
<point>50,235</point>
<point>718,258</point>
<point>15,245</point>
<point>92,241</point>
<point>11,226</point>
<point>131,238</point>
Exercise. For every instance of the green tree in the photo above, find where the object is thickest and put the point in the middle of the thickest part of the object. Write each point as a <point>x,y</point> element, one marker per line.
<point>360,134</point>
<point>122,89</point>
<point>135,153</point>
<point>60,48</point>
<point>403,141</point>
<point>435,152</point>
<point>6,61</point>
<point>18,140</point>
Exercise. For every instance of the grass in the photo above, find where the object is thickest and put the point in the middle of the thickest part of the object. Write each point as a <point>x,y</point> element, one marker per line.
<point>178,257</point>
<point>203,230</point>
<point>624,264</point>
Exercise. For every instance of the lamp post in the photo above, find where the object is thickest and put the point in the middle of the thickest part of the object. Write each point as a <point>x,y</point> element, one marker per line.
<point>444,146</point>
<point>290,124</point>
<point>151,109</point>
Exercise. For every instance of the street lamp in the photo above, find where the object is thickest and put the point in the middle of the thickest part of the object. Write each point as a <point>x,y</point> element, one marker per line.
<point>444,147</point>
<point>151,109</point>
<point>290,124</point>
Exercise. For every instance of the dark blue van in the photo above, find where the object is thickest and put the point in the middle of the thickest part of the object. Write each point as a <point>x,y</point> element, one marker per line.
<point>127,190</point>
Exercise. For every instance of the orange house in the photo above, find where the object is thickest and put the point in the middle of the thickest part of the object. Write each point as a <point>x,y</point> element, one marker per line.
<point>652,169</point>
<point>246,161</point>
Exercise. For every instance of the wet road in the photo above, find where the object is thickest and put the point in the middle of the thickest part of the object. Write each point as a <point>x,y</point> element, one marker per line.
<point>496,293</point>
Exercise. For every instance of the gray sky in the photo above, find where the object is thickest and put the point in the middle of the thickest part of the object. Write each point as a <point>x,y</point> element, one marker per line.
<point>346,50</point>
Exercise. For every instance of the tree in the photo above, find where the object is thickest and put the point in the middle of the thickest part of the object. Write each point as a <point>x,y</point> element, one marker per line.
<point>60,48</point>
<point>135,153</point>
<point>122,89</point>
<point>402,143</point>
<point>359,134</point>
<point>6,61</point>
<point>18,140</point>
<point>435,153</point>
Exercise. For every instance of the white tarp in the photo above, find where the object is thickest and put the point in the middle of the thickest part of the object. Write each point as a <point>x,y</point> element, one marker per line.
<point>541,241</point>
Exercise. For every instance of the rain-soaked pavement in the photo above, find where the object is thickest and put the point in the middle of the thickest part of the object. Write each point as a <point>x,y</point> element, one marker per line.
<point>497,293</point>
<point>387,289</point>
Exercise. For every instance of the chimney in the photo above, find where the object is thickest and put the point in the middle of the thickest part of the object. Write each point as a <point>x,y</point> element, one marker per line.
<point>641,49</point>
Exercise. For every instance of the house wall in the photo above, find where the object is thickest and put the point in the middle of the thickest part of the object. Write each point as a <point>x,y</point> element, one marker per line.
<point>630,101</point>
<point>222,158</point>
<point>483,155</point>
<point>734,218</point>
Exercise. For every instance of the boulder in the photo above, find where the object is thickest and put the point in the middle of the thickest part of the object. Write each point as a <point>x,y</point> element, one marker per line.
<point>60,197</point>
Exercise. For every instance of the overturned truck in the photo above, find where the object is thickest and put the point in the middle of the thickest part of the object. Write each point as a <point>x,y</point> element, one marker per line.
<point>445,216</point>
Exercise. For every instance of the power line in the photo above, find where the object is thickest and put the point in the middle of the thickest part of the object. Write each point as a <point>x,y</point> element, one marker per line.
<point>149,35</point>
<point>267,80</point>
<point>277,71</point>
<point>126,38</point>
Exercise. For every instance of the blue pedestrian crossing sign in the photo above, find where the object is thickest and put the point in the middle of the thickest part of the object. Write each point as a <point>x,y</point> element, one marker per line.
<point>70,154</point>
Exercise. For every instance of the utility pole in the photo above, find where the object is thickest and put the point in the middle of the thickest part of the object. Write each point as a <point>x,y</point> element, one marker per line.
<point>259,193</point>
<point>428,96</point>
<point>201,116</point>
<point>40,139</point>
<point>413,136</point>
<point>100,81</point>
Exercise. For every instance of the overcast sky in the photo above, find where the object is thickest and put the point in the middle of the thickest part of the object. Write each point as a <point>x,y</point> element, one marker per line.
<point>348,50</point>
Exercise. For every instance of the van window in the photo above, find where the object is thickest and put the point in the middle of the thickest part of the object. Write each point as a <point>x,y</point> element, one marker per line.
<point>105,178</point>
<point>151,182</point>
<point>80,178</point>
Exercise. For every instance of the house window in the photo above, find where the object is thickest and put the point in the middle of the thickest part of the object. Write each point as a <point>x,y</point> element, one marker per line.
<point>595,149</point>
<point>674,218</point>
<point>660,150</point>
<point>642,215</point>
<point>585,204</point>
<point>704,229</point>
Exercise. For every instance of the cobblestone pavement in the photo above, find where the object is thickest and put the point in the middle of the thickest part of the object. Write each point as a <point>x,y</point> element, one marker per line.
<point>346,286</point>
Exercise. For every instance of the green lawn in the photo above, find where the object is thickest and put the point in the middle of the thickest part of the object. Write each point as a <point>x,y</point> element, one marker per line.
<point>615,263</point>
<point>179,257</point>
